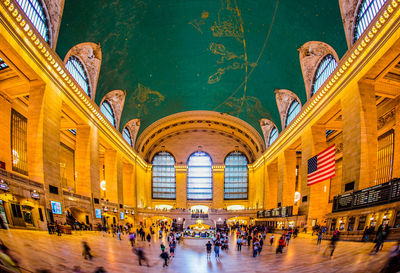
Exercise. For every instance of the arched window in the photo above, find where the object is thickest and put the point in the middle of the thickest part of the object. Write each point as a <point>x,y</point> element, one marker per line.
<point>366,12</point>
<point>327,65</point>
<point>294,109</point>
<point>108,112</point>
<point>163,176</point>
<point>3,64</point>
<point>35,12</point>
<point>236,178</point>
<point>199,177</point>
<point>127,136</point>
<point>75,67</point>
<point>273,135</point>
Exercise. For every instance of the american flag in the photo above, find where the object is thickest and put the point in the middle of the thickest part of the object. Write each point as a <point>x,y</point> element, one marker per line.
<point>321,166</point>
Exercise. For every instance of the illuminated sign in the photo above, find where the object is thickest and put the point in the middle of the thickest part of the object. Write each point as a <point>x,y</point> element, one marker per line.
<point>122,215</point>
<point>56,207</point>
<point>35,195</point>
<point>3,185</point>
<point>98,213</point>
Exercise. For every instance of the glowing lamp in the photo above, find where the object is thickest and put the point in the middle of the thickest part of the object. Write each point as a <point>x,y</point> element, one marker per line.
<point>103,185</point>
<point>297,196</point>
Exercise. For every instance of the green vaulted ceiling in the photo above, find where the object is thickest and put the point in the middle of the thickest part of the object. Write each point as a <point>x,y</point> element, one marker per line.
<point>178,55</point>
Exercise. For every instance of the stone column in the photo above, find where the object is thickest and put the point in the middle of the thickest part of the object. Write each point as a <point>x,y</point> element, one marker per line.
<point>140,191</point>
<point>86,159</point>
<point>360,142</point>
<point>44,122</point>
<point>287,176</point>
<point>5,125</point>
<point>314,142</point>
<point>110,163</point>
<point>181,186</point>
<point>272,191</point>
<point>218,187</point>
<point>396,159</point>
<point>120,181</point>
<point>128,185</point>
<point>266,186</point>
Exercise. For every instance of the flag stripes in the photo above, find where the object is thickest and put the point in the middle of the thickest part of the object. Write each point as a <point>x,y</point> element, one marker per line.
<point>321,166</point>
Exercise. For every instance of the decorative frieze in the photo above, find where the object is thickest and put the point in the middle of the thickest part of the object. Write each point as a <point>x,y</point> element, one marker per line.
<point>386,118</point>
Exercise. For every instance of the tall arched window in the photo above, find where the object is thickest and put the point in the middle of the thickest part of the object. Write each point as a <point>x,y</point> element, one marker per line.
<point>294,109</point>
<point>366,12</point>
<point>236,178</point>
<point>75,67</point>
<point>108,112</point>
<point>163,176</point>
<point>273,135</point>
<point>127,136</point>
<point>199,177</point>
<point>327,65</point>
<point>34,11</point>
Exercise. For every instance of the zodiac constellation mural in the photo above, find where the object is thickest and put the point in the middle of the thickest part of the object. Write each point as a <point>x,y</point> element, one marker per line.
<point>229,44</point>
<point>143,99</point>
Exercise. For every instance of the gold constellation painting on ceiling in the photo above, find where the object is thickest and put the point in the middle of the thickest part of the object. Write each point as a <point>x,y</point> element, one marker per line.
<point>143,99</point>
<point>228,30</point>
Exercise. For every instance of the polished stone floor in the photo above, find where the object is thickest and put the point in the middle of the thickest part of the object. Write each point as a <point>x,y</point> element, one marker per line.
<point>39,250</point>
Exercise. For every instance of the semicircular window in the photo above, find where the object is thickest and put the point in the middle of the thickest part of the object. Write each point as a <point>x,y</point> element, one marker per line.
<point>366,12</point>
<point>163,176</point>
<point>294,109</point>
<point>199,177</point>
<point>127,136</point>
<point>236,176</point>
<point>75,67</point>
<point>273,135</point>
<point>34,11</point>
<point>108,112</point>
<point>325,68</point>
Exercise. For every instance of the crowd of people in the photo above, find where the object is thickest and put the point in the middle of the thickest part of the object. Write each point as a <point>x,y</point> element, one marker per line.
<point>253,238</point>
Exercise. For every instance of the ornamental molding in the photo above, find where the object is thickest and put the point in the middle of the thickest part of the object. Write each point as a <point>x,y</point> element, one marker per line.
<point>90,55</point>
<point>133,126</point>
<point>266,127</point>
<point>348,9</point>
<point>388,117</point>
<point>284,99</point>
<point>54,10</point>
<point>116,98</point>
<point>310,55</point>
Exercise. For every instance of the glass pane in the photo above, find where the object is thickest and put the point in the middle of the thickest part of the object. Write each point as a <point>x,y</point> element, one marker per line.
<point>325,69</point>
<point>236,176</point>
<point>108,112</point>
<point>294,109</point>
<point>127,136</point>
<point>199,181</point>
<point>34,11</point>
<point>366,13</point>
<point>163,182</point>
<point>75,68</point>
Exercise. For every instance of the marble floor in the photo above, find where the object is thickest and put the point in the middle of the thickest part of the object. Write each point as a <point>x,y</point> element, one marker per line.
<point>39,250</point>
